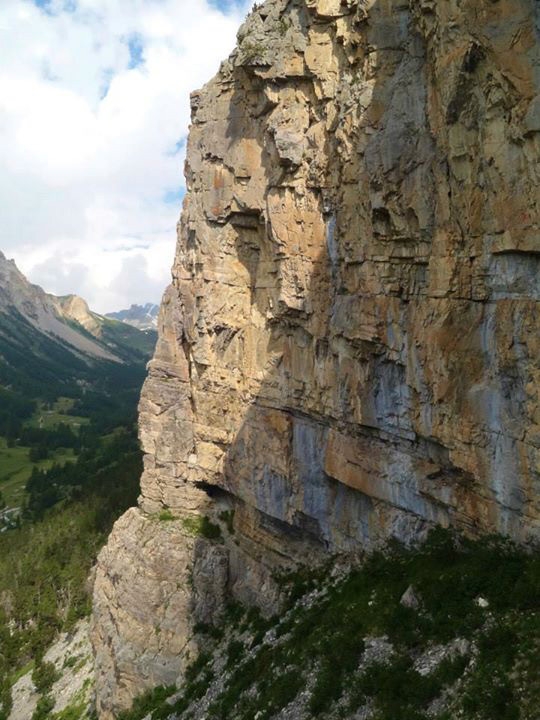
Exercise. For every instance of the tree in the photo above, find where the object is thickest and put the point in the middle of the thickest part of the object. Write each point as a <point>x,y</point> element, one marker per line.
<point>38,453</point>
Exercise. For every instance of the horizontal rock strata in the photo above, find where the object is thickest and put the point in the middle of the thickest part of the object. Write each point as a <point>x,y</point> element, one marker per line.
<point>350,346</point>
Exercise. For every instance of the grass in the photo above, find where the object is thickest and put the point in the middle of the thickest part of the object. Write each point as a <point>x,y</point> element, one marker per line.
<point>44,708</point>
<point>327,637</point>
<point>75,711</point>
<point>21,672</point>
<point>201,526</point>
<point>16,467</point>
<point>44,565</point>
<point>44,675</point>
<point>253,51</point>
<point>128,339</point>
<point>147,702</point>
<point>78,709</point>
<point>48,417</point>
<point>235,651</point>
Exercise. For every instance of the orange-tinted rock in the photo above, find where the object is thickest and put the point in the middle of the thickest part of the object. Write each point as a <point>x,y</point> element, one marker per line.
<point>350,346</point>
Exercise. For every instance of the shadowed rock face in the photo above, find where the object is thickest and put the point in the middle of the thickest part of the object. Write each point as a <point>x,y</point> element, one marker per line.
<point>350,347</point>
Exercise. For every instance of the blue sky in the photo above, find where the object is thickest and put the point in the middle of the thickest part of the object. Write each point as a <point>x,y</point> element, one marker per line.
<point>52,7</point>
<point>94,100</point>
<point>136,50</point>
<point>71,5</point>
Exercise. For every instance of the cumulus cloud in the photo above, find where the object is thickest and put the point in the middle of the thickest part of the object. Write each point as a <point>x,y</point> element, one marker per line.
<point>94,110</point>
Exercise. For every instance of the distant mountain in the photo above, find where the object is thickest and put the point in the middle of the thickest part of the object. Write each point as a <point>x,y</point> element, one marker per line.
<point>53,317</point>
<point>50,346</point>
<point>143,317</point>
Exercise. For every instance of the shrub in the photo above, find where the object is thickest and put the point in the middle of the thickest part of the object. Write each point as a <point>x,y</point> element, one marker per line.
<point>146,703</point>
<point>235,651</point>
<point>44,708</point>
<point>44,675</point>
<point>227,517</point>
<point>201,526</point>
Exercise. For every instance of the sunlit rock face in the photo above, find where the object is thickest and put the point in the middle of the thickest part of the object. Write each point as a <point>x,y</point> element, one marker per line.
<point>350,346</point>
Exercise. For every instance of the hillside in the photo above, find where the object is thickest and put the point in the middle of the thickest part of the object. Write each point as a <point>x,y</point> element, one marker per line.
<point>53,348</point>
<point>409,634</point>
<point>58,329</point>
<point>70,381</point>
<point>63,370</point>
<point>27,304</point>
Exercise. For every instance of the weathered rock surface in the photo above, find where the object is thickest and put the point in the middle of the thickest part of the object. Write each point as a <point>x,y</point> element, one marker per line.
<point>72,658</point>
<point>76,308</point>
<point>350,346</point>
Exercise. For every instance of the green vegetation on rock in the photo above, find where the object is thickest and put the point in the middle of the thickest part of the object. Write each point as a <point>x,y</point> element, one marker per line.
<point>201,525</point>
<point>147,702</point>
<point>450,630</point>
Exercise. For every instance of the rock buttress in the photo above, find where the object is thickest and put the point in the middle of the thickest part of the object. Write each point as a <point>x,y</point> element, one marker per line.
<point>350,347</point>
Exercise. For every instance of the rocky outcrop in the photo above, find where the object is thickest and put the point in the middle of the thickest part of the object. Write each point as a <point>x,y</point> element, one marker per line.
<point>349,348</point>
<point>73,307</point>
<point>72,690</point>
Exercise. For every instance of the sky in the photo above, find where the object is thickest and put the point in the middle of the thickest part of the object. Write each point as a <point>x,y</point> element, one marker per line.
<point>94,112</point>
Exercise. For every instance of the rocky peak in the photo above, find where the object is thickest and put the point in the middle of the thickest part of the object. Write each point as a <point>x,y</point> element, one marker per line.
<point>143,317</point>
<point>349,349</point>
<point>75,308</point>
<point>14,288</point>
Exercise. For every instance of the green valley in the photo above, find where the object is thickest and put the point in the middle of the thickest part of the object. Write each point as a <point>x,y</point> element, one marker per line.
<point>69,466</point>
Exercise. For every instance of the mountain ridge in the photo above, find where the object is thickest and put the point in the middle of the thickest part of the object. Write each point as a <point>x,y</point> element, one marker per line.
<point>70,382</point>
<point>65,320</point>
<point>47,313</point>
<point>143,317</point>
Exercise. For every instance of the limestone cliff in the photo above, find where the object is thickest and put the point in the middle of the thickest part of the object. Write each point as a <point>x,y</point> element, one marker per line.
<point>350,346</point>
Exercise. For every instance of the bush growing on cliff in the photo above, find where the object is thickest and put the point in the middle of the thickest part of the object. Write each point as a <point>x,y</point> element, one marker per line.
<point>44,708</point>
<point>146,703</point>
<point>201,525</point>
<point>44,676</point>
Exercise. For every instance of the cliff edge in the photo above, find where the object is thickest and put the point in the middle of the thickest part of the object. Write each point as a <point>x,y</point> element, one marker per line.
<point>349,350</point>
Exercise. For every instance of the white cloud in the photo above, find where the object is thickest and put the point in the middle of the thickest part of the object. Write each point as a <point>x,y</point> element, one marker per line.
<point>94,107</point>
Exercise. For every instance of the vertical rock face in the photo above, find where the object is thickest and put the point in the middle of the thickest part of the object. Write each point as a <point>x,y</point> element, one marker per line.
<point>350,346</point>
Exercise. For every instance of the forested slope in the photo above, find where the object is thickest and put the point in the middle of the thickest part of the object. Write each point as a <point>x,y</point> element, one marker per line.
<point>69,466</point>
